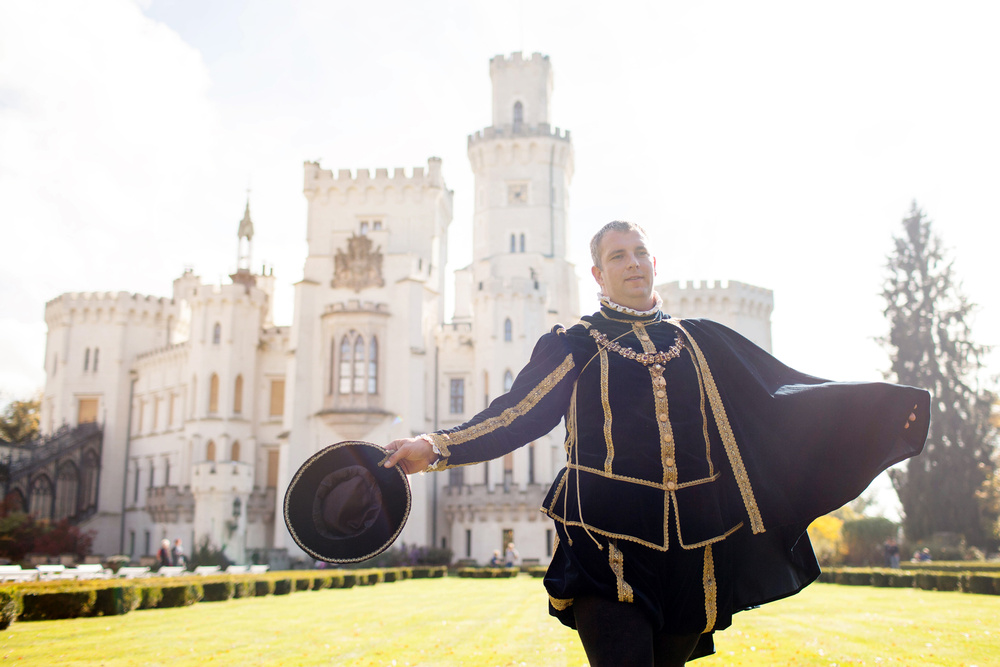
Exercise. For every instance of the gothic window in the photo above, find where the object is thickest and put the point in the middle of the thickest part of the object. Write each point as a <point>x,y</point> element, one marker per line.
<point>373,366</point>
<point>522,242</point>
<point>376,225</point>
<point>210,451</point>
<point>88,480</point>
<point>518,113</point>
<point>333,367</point>
<point>135,489</point>
<point>508,381</point>
<point>456,403</point>
<point>508,471</point>
<point>213,394</point>
<point>277,407</point>
<point>86,360</point>
<point>14,501</point>
<point>238,395</point>
<point>359,365</point>
<point>234,454</point>
<point>40,498</point>
<point>513,243</point>
<point>152,474</point>
<point>97,354</point>
<point>217,334</point>
<point>508,330</point>
<point>166,471</point>
<point>364,227</point>
<point>345,365</point>
<point>531,463</point>
<point>67,489</point>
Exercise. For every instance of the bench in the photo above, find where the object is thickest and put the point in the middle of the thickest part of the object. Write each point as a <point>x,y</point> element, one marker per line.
<point>258,569</point>
<point>130,572</point>
<point>171,571</point>
<point>50,572</point>
<point>206,569</point>
<point>88,571</point>
<point>236,569</point>
<point>15,573</point>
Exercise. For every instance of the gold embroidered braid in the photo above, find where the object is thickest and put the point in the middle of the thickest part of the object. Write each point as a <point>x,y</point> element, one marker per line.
<point>711,590</point>
<point>617,561</point>
<point>446,441</point>
<point>728,438</point>
<point>644,358</point>
<point>606,403</point>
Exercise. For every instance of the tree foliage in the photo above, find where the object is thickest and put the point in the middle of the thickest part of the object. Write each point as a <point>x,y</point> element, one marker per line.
<point>930,343</point>
<point>21,534</point>
<point>19,420</point>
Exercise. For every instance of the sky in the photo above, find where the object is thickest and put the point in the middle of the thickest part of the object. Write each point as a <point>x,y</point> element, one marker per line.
<point>774,143</point>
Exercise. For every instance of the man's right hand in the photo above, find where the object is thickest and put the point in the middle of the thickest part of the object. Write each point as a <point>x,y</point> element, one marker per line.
<point>412,454</point>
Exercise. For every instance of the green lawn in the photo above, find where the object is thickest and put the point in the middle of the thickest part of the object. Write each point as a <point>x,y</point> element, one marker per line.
<point>504,622</point>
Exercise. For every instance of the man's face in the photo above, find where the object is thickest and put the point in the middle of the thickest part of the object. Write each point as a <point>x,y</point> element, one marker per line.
<point>627,269</point>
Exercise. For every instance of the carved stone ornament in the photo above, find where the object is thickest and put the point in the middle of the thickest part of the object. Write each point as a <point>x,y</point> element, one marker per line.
<point>359,267</point>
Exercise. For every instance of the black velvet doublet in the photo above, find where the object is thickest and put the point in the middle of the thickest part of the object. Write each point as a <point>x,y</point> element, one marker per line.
<point>695,462</point>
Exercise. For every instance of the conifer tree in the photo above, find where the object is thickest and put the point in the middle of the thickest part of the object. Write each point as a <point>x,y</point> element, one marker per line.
<point>931,346</point>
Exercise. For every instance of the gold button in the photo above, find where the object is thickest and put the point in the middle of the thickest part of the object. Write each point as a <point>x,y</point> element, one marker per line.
<point>669,462</point>
<point>671,486</point>
<point>660,393</point>
<point>660,382</point>
<point>668,438</point>
<point>663,416</point>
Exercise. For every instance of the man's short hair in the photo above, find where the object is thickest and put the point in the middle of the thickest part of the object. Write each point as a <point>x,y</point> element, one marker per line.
<point>614,225</point>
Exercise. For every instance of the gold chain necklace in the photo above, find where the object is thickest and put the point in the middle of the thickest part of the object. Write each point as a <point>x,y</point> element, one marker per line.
<point>643,358</point>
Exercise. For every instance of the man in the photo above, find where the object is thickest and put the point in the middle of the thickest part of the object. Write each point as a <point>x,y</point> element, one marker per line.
<point>717,457</point>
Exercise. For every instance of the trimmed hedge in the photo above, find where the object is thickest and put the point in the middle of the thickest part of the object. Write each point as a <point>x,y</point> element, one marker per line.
<point>117,600</point>
<point>43,606</point>
<point>11,606</point>
<point>283,586</point>
<point>151,596</point>
<point>488,572</point>
<point>263,587</point>
<point>219,591</point>
<point>983,583</point>
<point>182,595</point>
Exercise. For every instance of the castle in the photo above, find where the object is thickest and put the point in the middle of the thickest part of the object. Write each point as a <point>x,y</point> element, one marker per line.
<point>191,413</point>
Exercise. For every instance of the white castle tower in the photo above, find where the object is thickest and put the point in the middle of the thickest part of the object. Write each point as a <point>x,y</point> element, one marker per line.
<point>518,286</point>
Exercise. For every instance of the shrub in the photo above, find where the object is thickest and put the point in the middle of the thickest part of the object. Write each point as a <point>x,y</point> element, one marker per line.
<point>181,596</point>
<point>488,572</point>
<point>864,539</point>
<point>47,606</point>
<point>219,591</point>
<point>390,576</point>
<point>880,578</point>
<point>303,583</point>
<point>150,597</point>
<point>900,580</point>
<point>244,589</point>
<point>321,582</point>
<point>263,587</point>
<point>282,586</point>
<point>11,606</point>
<point>949,581</point>
<point>984,584</point>
<point>350,580</point>
<point>117,600</point>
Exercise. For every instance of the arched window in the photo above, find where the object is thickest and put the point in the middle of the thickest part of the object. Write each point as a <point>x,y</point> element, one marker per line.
<point>508,330</point>
<point>217,334</point>
<point>40,498</point>
<point>97,354</point>
<point>513,243</point>
<point>359,365</point>
<point>333,367</point>
<point>238,395</point>
<point>86,360</point>
<point>522,242</point>
<point>88,481</point>
<point>213,394</point>
<point>234,453</point>
<point>14,501</point>
<point>373,366</point>
<point>518,113</point>
<point>210,451</point>
<point>67,488</point>
<point>508,381</point>
<point>345,365</point>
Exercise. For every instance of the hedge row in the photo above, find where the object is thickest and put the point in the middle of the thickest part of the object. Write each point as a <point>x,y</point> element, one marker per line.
<point>978,566</point>
<point>487,572</point>
<point>983,583</point>
<point>49,600</point>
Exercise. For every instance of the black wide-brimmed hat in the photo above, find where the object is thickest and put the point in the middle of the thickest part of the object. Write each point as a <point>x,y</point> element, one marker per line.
<point>343,506</point>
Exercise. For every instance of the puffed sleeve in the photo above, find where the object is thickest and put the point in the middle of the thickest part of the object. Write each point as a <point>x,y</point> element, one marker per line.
<point>534,405</point>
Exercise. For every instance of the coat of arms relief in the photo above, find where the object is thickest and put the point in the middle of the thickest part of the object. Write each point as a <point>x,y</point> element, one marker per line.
<point>359,267</point>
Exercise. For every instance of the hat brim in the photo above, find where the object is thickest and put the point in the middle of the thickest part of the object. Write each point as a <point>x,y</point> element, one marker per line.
<point>301,494</point>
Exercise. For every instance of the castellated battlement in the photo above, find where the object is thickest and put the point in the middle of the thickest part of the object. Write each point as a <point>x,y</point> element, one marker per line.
<point>512,132</point>
<point>517,59</point>
<point>104,306</point>
<point>318,179</point>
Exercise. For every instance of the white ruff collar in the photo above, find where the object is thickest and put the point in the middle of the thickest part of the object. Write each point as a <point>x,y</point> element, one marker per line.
<point>657,305</point>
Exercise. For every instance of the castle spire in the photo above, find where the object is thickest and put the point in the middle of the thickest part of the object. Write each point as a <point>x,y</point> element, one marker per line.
<point>244,247</point>
<point>246,224</point>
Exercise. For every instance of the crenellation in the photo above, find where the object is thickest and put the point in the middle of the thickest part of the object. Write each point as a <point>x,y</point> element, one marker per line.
<point>509,131</point>
<point>517,59</point>
<point>318,180</point>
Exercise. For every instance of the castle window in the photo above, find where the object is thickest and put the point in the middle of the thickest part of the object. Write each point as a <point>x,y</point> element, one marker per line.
<point>364,227</point>
<point>86,412</point>
<point>518,113</point>
<point>152,474</point>
<point>135,488</point>
<point>213,394</point>
<point>513,243</point>
<point>67,488</point>
<point>170,410</point>
<point>234,452</point>
<point>456,402</point>
<point>277,408</point>
<point>508,471</point>
<point>238,395</point>
<point>373,366</point>
<point>194,394</point>
<point>86,360</point>
<point>210,451</point>
<point>531,463</point>
<point>522,242</point>
<point>166,471</point>
<point>272,468</point>
<point>40,498</point>
<point>217,334</point>
<point>508,381</point>
<point>89,480</point>
<point>508,330</point>
<point>376,225</point>
<point>359,365</point>
<point>345,366</point>
<point>97,352</point>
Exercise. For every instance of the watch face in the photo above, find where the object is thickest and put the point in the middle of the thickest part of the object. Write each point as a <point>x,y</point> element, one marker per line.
<point>517,194</point>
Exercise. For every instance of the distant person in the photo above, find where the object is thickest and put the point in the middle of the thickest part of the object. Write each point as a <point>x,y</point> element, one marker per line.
<point>497,559</point>
<point>511,557</point>
<point>925,555</point>
<point>166,560</point>
<point>177,554</point>
<point>695,460</point>
<point>891,549</point>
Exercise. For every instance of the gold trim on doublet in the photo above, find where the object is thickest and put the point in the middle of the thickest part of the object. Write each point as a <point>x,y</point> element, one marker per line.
<point>617,561</point>
<point>711,590</point>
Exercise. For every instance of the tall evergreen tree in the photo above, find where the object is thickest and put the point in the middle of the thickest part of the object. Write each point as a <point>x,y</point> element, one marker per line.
<point>931,346</point>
